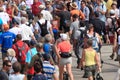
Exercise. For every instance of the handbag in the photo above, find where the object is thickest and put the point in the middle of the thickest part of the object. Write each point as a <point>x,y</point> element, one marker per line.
<point>99,77</point>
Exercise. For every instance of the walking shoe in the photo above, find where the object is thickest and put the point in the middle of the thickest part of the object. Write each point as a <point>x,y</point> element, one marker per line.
<point>112,56</point>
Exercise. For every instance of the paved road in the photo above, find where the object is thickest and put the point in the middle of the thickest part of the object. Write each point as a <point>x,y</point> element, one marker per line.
<point>109,67</point>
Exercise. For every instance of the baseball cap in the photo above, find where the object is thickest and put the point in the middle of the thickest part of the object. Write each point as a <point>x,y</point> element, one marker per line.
<point>112,12</point>
<point>64,36</point>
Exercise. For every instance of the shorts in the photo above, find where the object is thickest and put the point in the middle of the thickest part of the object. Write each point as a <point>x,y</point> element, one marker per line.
<point>90,70</point>
<point>65,61</point>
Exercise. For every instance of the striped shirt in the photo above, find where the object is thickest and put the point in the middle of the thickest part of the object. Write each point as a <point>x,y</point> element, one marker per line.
<point>48,69</point>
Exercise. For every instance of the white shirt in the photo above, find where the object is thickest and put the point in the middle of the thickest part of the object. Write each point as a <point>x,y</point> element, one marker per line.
<point>16,77</point>
<point>117,13</point>
<point>37,27</point>
<point>26,32</point>
<point>47,15</point>
<point>5,17</point>
<point>15,30</point>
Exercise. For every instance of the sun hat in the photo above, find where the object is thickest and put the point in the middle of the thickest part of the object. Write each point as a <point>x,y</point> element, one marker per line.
<point>74,5</point>
<point>11,52</point>
<point>42,6</point>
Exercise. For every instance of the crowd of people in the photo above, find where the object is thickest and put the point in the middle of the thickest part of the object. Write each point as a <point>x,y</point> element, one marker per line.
<point>39,36</point>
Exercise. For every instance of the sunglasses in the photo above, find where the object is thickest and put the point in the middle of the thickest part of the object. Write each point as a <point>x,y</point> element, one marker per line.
<point>9,65</point>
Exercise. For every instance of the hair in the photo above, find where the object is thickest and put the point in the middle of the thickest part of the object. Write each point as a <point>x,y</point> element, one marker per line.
<point>39,45</point>
<point>48,38</point>
<point>40,15</point>
<point>16,67</point>
<point>5,62</point>
<point>38,67</point>
<point>23,20</point>
<point>83,2</point>
<point>90,26</point>
<point>89,42</point>
<point>19,37</point>
<point>75,16</point>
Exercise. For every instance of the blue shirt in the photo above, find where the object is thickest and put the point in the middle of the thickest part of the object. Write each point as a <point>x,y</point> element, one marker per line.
<point>48,69</point>
<point>30,54</point>
<point>6,40</point>
<point>46,48</point>
<point>103,8</point>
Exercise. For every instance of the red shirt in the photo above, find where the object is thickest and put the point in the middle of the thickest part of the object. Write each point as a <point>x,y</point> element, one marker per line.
<point>64,46</point>
<point>35,8</point>
<point>20,44</point>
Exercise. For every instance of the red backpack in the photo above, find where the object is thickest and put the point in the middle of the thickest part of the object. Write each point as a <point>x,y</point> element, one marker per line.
<point>21,53</point>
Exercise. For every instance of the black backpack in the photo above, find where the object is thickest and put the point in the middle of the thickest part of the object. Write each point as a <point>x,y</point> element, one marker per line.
<point>114,26</point>
<point>43,28</point>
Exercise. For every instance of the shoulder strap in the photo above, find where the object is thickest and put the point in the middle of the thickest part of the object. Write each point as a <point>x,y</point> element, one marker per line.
<point>39,23</point>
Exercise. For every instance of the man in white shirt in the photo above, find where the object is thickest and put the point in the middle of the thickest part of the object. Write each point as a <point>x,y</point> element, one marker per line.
<point>4,16</point>
<point>42,21</point>
<point>46,14</point>
<point>15,29</point>
<point>26,32</point>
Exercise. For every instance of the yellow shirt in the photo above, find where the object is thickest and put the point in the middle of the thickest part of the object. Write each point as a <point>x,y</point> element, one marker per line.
<point>108,4</point>
<point>90,57</point>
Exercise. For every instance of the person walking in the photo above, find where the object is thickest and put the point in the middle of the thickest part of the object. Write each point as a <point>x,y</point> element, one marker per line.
<point>90,60</point>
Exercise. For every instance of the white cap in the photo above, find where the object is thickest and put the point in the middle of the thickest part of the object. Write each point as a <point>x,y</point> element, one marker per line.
<point>112,12</point>
<point>64,36</point>
<point>42,6</point>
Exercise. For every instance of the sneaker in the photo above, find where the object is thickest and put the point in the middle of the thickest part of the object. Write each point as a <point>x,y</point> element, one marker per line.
<point>112,56</point>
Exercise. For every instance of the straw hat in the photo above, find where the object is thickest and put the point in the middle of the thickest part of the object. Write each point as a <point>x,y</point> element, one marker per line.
<point>74,5</point>
<point>11,52</point>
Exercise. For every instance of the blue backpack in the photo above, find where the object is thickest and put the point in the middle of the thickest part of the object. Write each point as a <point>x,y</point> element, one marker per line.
<point>95,44</point>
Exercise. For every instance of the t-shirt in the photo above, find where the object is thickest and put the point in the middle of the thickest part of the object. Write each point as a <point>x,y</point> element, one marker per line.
<point>49,70</point>
<point>16,77</point>
<point>3,75</point>
<point>39,77</point>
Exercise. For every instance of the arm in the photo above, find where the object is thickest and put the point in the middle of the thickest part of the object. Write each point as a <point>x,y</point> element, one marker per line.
<point>55,76</point>
<point>97,61</point>
<point>82,16</point>
<point>83,58</point>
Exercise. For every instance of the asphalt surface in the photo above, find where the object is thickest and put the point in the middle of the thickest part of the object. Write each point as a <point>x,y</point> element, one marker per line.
<point>109,68</point>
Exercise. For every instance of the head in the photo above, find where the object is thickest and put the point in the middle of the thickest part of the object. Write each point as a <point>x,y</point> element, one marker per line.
<point>83,4</point>
<point>16,67</point>
<point>114,5</point>
<point>89,43</point>
<point>7,65</point>
<point>40,15</point>
<point>35,1</point>
<point>48,4</point>
<point>64,36</point>
<point>39,47</point>
<point>46,57</point>
<point>18,37</point>
<point>32,43</point>
<point>73,5</point>
<point>48,38</point>
<point>11,52</point>
<point>91,27</point>
<point>42,7</point>
<point>75,17</point>
<point>23,20</point>
<point>64,6</point>
<point>5,27</point>
<point>99,2</point>
<point>112,12</point>
<point>38,67</point>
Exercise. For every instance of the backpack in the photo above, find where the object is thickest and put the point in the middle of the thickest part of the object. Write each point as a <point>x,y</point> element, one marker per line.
<point>94,42</point>
<point>21,52</point>
<point>114,26</point>
<point>43,28</point>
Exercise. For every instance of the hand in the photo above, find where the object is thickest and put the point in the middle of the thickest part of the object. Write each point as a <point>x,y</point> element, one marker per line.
<point>108,41</point>
<point>99,69</point>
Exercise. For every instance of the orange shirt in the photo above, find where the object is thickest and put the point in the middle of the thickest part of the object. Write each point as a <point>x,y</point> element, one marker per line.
<point>79,13</point>
<point>64,46</point>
